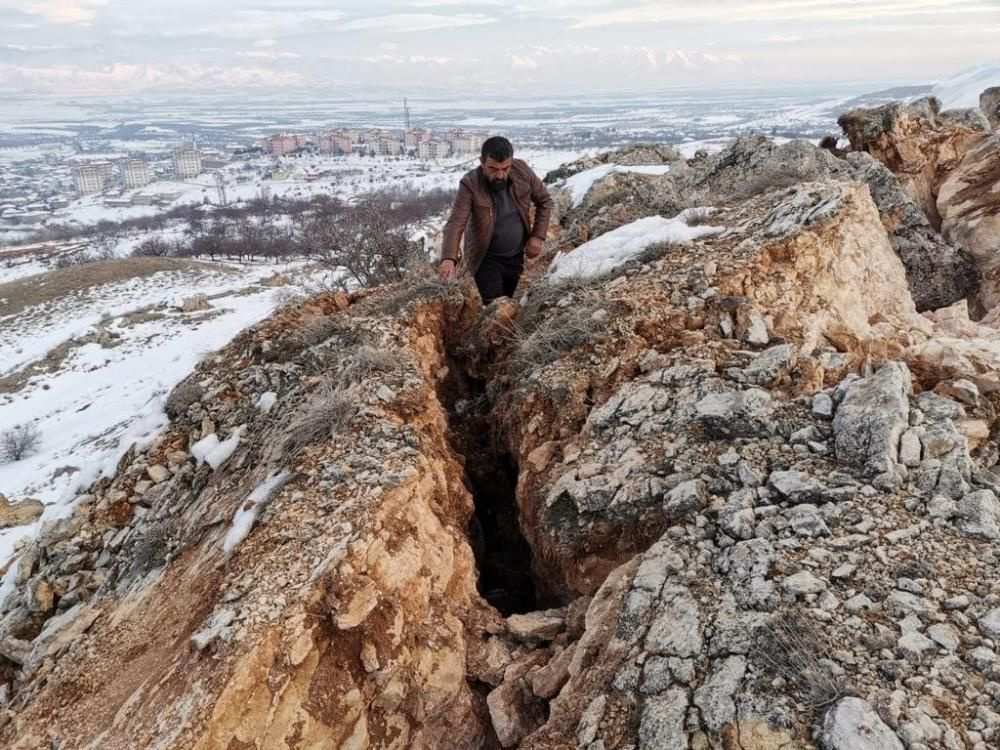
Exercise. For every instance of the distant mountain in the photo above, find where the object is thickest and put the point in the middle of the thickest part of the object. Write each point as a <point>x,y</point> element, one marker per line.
<point>964,88</point>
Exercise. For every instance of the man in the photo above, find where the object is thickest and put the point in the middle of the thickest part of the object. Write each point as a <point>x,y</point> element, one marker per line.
<point>494,200</point>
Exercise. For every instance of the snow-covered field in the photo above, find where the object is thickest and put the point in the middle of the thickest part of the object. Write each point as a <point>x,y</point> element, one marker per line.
<point>108,393</point>
<point>307,176</point>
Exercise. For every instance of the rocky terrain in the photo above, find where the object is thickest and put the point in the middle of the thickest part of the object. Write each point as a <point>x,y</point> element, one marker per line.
<point>739,492</point>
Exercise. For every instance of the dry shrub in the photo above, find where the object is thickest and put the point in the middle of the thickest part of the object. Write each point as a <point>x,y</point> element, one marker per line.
<point>791,647</point>
<point>325,413</point>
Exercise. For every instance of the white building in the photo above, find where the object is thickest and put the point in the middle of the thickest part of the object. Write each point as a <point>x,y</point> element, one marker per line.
<point>388,146</point>
<point>187,162</point>
<point>90,178</point>
<point>433,149</point>
<point>135,173</point>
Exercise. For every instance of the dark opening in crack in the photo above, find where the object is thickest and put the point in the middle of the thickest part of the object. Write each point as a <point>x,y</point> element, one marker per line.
<point>503,556</point>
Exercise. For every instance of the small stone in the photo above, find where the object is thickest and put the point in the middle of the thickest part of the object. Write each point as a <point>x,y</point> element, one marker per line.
<point>797,486</point>
<point>844,571</point>
<point>990,624</point>
<point>684,498</point>
<point>803,583</point>
<point>909,448</point>
<point>158,473</point>
<point>945,636</point>
<point>537,626</point>
<point>942,506</point>
<point>822,406</point>
<point>914,647</point>
<point>956,602</point>
<point>715,697</point>
<point>756,333</point>
<point>959,390</point>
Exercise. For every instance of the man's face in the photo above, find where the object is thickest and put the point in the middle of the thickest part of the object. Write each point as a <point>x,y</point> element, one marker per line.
<point>496,171</point>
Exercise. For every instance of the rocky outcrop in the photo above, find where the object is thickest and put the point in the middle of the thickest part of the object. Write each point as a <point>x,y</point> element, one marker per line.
<point>989,103</point>
<point>939,272</point>
<point>969,204</point>
<point>736,493</point>
<point>641,154</point>
<point>916,143</point>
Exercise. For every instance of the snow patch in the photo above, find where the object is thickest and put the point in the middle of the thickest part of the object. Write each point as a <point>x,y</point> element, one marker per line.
<point>580,183</point>
<point>250,508</point>
<point>610,250</point>
<point>266,401</point>
<point>214,452</point>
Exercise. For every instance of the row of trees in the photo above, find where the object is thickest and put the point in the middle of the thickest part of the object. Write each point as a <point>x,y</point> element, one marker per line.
<point>369,238</point>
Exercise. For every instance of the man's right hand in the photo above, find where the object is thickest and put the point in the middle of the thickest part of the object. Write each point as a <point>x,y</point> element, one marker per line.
<point>447,269</point>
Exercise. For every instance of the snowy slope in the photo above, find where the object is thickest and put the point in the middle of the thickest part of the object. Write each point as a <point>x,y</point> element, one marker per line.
<point>101,399</point>
<point>963,89</point>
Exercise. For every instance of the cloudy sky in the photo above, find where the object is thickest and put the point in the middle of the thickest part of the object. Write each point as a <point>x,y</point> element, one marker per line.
<point>116,47</point>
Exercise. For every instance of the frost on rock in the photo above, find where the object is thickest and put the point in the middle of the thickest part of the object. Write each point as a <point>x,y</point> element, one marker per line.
<point>214,452</point>
<point>580,183</point>
<point>250,508</point>
<point>610,250</point>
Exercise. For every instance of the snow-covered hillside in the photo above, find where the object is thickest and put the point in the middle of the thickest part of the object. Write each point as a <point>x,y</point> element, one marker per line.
<point>92,368</point>
<point>963,89</point>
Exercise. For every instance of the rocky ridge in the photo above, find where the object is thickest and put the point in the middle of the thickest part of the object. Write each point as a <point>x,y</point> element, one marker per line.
<point>755,476</point>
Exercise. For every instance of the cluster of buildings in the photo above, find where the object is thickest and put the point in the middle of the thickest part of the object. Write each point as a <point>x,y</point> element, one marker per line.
<point>417,142</point>
<point>98,176</point>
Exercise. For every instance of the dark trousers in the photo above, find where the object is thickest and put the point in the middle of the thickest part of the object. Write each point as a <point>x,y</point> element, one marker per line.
<point>498,276</point>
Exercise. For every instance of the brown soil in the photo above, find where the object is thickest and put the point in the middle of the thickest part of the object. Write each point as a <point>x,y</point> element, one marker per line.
<point>18,295</point>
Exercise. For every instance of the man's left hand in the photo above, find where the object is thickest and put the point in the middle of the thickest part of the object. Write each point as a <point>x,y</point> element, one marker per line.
<point>534,248</point>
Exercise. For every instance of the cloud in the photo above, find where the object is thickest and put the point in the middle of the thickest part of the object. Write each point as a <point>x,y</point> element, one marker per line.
<point>409,59</point>
<point>780,10</point>
<point>64,11</point>
<point>60,79</point>
<point>269,54</point>
<point>779,39</point>
<point>264,43</point>
<point>405,22</point>
<point>524,63</point>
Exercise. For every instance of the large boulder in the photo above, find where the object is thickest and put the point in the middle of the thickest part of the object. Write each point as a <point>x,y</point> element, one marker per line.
<point>969,205</point>
<point>913,141</point>
<point>755,164</point>
<point>872,418</point>
<point>939,272</point>
<point>989,102</point>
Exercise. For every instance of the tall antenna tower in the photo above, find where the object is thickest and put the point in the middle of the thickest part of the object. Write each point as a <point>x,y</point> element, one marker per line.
<point>220,185</point>
<point>406,113</point>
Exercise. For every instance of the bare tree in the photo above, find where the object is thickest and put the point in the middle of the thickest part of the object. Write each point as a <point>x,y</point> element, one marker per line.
<point>19,442</point>
<point>153,247</point>
<point>367,242</point>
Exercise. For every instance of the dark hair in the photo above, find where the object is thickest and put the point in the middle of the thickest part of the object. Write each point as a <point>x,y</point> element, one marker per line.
<point>497,148</point>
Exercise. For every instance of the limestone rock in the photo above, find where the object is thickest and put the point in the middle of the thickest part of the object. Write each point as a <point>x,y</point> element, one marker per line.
<point>20,513</point>
<point>872,418</point>
<point>853,725</point>
<point>978,514</point>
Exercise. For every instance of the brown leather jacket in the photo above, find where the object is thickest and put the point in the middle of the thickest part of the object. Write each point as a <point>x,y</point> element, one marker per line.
<point>474,207</point>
